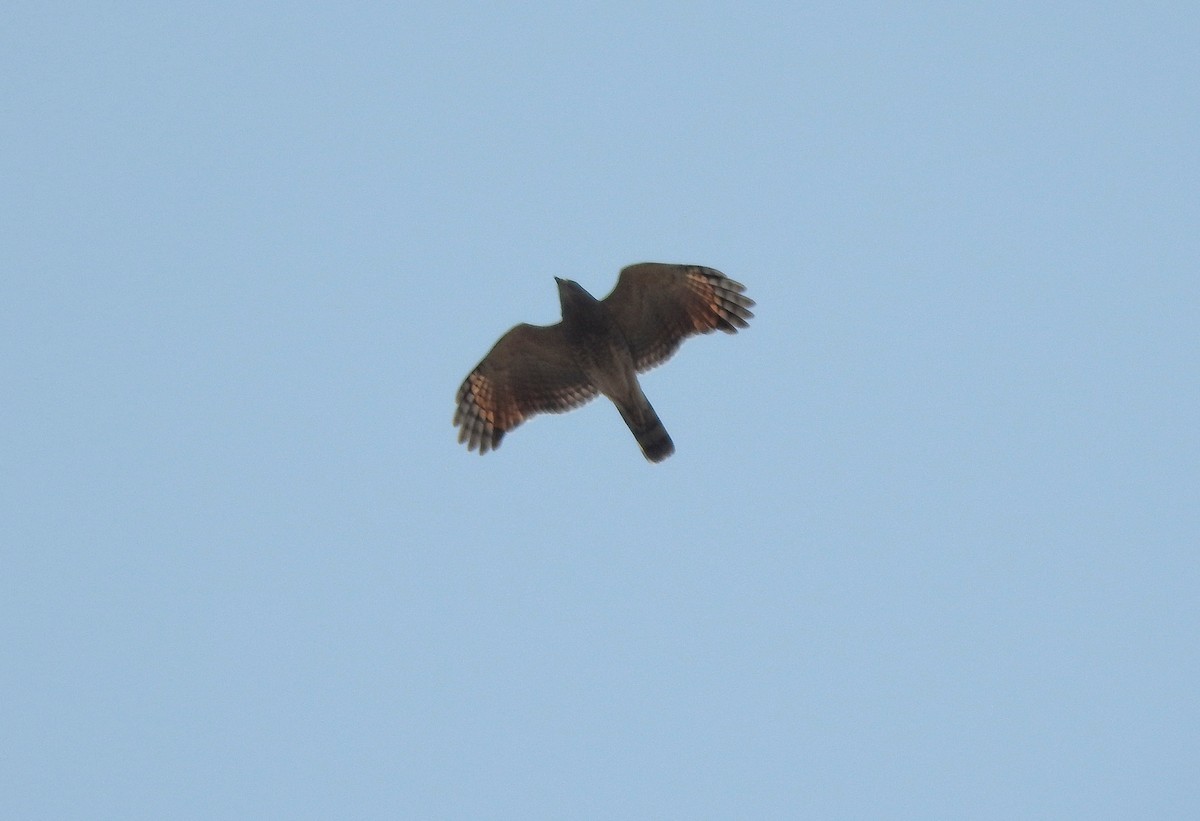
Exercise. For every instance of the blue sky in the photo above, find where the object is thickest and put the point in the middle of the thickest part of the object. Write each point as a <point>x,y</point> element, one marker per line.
<point>928,544</point>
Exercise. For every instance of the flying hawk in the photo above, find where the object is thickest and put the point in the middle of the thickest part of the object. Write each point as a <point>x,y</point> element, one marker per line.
<point>598,348</point>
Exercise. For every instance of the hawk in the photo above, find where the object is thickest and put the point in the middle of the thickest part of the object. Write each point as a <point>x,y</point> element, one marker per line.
<point>598,348</point>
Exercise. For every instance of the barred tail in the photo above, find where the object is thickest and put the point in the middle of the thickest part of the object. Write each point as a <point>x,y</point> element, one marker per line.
<point>647,429</point>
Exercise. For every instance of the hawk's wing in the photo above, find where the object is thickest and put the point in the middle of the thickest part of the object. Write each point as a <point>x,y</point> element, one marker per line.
<point>659,305</point>
<point>530,370</point>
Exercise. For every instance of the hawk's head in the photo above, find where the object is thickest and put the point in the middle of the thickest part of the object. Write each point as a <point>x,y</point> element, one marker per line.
<point>571,294</point>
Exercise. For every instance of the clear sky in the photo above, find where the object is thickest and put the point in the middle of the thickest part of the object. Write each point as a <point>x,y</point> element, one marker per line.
<point>928,544</point>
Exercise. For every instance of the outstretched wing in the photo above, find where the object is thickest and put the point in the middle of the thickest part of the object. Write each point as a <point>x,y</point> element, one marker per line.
<point>530,370</point>
<point>659,305</point>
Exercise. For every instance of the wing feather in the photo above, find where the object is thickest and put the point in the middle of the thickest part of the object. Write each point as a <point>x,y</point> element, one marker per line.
<point>530,370</point>
<point>659,305</point>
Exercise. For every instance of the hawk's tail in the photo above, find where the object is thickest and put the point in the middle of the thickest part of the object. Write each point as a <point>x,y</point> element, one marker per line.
<point>648,430</point>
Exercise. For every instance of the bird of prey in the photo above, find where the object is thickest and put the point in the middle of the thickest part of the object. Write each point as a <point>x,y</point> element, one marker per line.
<point>598,348</point>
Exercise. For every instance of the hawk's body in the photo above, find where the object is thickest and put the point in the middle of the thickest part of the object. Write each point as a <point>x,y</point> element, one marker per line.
<point>598,348</point>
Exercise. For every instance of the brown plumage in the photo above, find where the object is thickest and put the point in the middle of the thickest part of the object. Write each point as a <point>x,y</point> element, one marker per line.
<point>598,348</point>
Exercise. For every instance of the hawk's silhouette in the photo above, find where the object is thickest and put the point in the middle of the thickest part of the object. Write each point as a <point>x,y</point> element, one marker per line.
<point>598,348</point>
